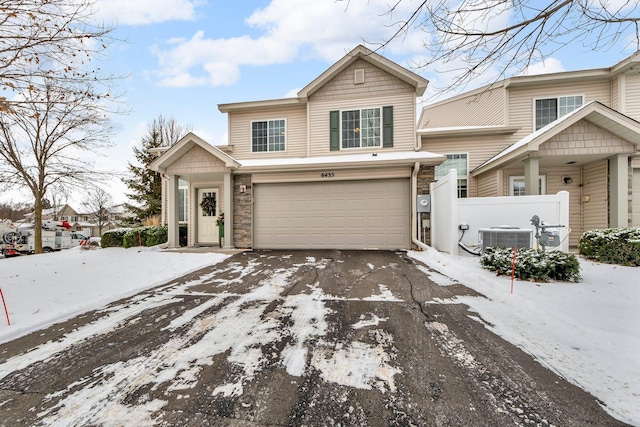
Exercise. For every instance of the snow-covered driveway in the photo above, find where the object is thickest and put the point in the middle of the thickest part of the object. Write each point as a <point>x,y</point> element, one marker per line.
<point>285,338</point>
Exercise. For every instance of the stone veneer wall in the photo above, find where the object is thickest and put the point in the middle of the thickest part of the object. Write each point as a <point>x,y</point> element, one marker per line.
<point>426,175</point>
<point>242,211</point>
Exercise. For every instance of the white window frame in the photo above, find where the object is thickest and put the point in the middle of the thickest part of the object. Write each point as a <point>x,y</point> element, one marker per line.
<point>380,130</point>
<point>463,180</point>
<point>183,186</point>
<point>268,150</point>
<point>542,184</point>
<point>558,115</point>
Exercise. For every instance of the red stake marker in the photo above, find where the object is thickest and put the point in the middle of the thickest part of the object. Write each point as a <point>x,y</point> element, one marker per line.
<point>6,312</point>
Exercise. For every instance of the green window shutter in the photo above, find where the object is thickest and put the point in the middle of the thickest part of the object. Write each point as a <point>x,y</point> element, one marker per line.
<point>387,126</point>
<point>334,130</point>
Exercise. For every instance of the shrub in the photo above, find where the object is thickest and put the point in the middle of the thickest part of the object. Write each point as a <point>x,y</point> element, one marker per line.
<point>145,236</point>
<point>612,245</point>
<point>532,265</point>
<point>113,238</point>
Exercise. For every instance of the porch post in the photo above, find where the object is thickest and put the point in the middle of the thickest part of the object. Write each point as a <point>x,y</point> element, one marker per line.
<point>619,194</point>
<point>173,234</point>
<point>531,176</point>
<point>228,210</point>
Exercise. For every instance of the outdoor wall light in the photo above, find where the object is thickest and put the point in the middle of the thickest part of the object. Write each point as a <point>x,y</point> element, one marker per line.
<point>567,179</point>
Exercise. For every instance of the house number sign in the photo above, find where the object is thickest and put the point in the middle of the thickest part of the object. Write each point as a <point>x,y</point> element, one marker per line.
<point>327,175</point>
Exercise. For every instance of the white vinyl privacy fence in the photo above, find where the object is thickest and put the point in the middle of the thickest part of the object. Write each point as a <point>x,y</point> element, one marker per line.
<point>448,212</point>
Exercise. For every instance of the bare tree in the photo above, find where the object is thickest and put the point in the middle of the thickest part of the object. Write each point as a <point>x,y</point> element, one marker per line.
<point>509,35</point>
<point>146,185</point>
<point>44,41</point>
<point>52,97</point>
<point>98,205</point>
<point>45,147</point>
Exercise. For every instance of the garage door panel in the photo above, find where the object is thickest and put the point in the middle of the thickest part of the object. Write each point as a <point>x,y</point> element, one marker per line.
<point>343,215</point>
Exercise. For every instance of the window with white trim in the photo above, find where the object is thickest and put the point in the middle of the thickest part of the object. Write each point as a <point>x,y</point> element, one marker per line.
<point>268,135</point>
<point>459,162</point>
<point>361,128</point>
<point>517,186</point>
<point>548,110</point>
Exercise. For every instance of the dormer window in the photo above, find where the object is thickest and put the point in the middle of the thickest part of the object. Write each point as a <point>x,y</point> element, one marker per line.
<point>548,110</point>
<point>268,135</point>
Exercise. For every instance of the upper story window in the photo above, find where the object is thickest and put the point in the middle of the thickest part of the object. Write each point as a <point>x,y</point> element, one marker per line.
<point>459,162</point>
<point>268,135</point>
<point>361,128</point>
<point>551,109</point>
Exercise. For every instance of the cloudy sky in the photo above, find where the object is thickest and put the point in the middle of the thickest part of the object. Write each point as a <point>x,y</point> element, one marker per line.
<point>182,58</point>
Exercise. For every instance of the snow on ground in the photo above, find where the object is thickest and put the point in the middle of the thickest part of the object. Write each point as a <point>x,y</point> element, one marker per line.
<point>587,332</point>
<point>41,290</point>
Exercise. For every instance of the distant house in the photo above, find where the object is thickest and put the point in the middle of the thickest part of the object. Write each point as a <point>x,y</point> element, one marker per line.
<point>84,223</point>
<point>576,131</point>
<point>337,166</point>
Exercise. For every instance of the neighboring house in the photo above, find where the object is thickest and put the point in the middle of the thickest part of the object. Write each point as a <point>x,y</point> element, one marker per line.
<point>83,222</point>
<point>574,131</point>
<point>62,213</point>
<point>337,166</point>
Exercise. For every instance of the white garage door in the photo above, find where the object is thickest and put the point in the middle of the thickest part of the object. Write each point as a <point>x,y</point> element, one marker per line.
<point>371,214</point>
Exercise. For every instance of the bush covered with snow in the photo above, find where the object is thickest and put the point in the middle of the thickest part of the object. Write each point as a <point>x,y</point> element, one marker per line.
<point>532,265</point>
<point>113,238</point>
<point>145,236</point>
<point>612,245</point>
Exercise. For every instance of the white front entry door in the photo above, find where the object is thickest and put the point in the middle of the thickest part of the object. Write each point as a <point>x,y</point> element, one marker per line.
<point>207,228</point>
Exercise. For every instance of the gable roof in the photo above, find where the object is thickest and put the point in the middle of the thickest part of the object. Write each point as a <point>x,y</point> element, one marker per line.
<point>597,113</point>
<point>361,52</point>
<point>184,145</point>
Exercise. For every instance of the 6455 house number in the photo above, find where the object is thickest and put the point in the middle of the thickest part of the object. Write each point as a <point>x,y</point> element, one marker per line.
<point>327,175</point>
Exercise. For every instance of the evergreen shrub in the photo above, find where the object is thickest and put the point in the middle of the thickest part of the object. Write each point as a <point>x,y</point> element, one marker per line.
<point>532,265</point>
<point>612,245</point>
<point>113,238</point>
<point>145,236</point>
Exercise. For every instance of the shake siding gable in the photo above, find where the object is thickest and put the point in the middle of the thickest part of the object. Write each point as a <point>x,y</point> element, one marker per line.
<point>584,138</point>
<point>296,129</point>
<point>196,160</point>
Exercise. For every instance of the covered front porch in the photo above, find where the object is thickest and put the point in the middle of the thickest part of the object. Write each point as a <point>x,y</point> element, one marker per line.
<point>197,191</point>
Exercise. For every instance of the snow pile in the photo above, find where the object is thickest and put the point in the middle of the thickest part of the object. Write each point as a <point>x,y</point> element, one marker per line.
<point>587,332</point>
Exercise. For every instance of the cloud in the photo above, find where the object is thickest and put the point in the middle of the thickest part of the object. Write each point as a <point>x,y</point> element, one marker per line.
<point>287,31</point>
<point>145,12</point>
<point>546,66</point>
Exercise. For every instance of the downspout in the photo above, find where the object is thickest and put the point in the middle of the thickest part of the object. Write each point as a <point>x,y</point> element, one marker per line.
<point>415,238</point>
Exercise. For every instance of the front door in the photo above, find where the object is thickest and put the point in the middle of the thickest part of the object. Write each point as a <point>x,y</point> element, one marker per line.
<point>207,215</point>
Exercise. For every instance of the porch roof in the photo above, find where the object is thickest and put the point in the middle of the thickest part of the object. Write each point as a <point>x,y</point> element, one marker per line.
<point>184,145</point>
<point>595,112</point>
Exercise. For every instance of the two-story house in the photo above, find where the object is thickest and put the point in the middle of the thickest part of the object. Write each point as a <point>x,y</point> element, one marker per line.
<point>574,131</point>
<point>337,166</point>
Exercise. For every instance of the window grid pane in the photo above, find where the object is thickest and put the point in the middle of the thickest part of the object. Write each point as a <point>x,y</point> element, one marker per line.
<point>276,135</point>
<point>259,136</point>
<point>568,104</point>
<point>546,111</point>
<point>370,127</point>
<point>351,129</point>
<point>454,161</point>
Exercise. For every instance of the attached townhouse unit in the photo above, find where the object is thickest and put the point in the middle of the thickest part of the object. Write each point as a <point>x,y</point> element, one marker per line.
<point>338,166</point>
<point>575,131</point>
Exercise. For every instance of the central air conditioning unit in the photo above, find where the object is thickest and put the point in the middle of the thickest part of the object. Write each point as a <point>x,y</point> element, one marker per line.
<point>504,237</point>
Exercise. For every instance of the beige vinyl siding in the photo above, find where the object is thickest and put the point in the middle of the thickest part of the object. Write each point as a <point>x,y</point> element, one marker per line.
<point>632,96</point>
<point>296,128</point>
<point>404,116</point>
<point>556,184</point>
<point>479,150</point>
<point>615,98</point>
<point>521,100</point>
<point>595,212</point>
<point>483,109</point>
<point>487,185</point>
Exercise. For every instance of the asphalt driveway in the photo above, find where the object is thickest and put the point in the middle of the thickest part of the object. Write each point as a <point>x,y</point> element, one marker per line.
<point>275,338</point>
